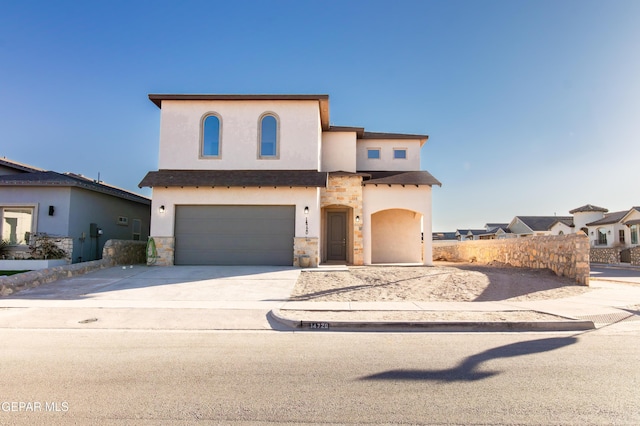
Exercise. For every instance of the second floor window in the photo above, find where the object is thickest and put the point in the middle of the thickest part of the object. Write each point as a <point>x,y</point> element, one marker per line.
<point>211,136</point>
<point>400,153</point>
<point>268,136</point>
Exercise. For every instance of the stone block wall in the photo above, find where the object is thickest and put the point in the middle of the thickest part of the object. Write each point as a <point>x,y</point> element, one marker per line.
<point>23,252</point>
<point>605,255</point>
<point>306,246</point>
<point>124,252</point>
<point>635,256</point>
<point>164,251</point>
<point>346,190</point>
<point>115,252</point>
<point>566,255</point>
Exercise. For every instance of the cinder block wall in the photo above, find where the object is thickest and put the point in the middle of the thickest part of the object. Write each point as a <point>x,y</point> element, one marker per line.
<point>566,255</point>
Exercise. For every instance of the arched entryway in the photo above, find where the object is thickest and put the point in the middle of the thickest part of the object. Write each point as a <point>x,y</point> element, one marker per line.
<point>396,236</point>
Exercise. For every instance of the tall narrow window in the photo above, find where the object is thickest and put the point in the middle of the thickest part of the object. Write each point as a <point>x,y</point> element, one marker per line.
<point>602,237</point>
<point>634,234</point>
<point>211,136</point>
<point>268,136</point>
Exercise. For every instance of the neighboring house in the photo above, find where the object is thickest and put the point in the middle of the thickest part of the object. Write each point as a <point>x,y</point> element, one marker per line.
<point>265,179</point>
<point>468,234</point>
<point>617,229</point>
<point>443,236</point>
<point>67,205</point>
<point>496,231</point>
<point>524,226</point>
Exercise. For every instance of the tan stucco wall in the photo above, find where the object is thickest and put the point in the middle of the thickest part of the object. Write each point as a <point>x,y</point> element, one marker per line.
<point>386,161</point>
<point>409,197</point>
<point>162,224</point>
<point>180,134</point>
<point>338,152</point>
<point>395,237</point>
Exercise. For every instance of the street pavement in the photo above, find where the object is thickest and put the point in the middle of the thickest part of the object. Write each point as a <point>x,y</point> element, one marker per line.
<point>256,298</point>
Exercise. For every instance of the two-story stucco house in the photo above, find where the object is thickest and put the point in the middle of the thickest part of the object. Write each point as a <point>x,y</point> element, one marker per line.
<point>265,179</point>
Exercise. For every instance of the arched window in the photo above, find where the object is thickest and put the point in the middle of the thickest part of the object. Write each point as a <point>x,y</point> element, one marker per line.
<point>211,136</point>
<point>268,136</point>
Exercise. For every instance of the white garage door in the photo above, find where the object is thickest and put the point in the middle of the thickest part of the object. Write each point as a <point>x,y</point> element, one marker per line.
<point>234,235</point>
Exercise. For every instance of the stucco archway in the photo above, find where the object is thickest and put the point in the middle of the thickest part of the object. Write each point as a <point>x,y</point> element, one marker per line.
<point>396,236</point>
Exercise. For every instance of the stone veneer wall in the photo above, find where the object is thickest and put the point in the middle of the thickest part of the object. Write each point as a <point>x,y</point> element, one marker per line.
<point>64,243</point>
<point>611,255</point>
<point>605,255</point>
<point>346,190</point>
<point>124,252</point>
<point>115,252</point>
<point>165,250</point>
<point>306,246</point>
<point>566,255</point>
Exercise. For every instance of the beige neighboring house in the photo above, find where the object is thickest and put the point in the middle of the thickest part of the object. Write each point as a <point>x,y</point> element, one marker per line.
<point>616,229</point>
<point>265,179</point>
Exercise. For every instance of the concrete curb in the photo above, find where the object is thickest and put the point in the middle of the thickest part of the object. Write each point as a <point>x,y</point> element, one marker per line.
<point>431,326</point>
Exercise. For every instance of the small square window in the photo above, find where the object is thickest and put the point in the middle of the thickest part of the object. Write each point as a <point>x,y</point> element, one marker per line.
<point>400,154</point>
<point>373,154</point>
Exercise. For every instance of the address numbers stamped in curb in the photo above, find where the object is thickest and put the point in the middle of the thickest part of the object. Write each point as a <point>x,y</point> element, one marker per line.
<point>317,325</point>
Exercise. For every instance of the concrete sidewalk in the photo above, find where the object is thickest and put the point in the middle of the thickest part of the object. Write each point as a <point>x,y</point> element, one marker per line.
<point>607,303</point>
<point>256,298</point>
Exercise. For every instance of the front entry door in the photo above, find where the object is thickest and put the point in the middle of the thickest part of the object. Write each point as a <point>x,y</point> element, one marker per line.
<point>337,235</point>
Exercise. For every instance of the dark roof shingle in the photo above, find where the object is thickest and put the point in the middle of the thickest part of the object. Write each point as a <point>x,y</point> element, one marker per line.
<point>421,177</point>
<point>235,178</point>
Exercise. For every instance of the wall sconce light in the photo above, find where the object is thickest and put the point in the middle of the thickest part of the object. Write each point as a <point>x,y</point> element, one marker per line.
<point>161,209</point>
<point>306,210</point>
<point>357,219</point>
<point>52,210</point>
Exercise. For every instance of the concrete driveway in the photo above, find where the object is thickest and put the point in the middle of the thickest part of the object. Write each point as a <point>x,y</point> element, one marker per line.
<point>141,297</point>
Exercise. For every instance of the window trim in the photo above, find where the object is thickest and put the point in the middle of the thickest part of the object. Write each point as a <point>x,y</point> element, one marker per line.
<point>277,154</point>
<point>34,218</point>
<point>202,123</point>
<point>378,150</point>
<point>400,150</point>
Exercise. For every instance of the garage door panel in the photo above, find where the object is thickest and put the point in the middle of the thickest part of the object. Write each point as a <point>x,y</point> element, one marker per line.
<point>234,235</point>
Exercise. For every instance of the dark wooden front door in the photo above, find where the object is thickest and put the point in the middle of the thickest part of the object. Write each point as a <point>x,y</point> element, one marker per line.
<point>337,235</point>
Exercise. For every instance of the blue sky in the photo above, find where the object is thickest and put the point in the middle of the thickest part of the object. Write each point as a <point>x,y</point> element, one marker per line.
<point>532,107</point>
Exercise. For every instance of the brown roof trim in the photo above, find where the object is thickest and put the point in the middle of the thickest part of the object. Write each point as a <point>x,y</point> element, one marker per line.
<point>378,135</point>
<point>322,99</point>
<point>234,178</point>
<point>359,130</point>
<point>54,179</point>
<point>421,177</point>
